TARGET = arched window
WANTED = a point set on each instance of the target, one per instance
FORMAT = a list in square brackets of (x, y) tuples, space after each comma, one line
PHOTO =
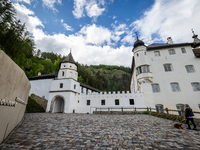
[(160, 108)]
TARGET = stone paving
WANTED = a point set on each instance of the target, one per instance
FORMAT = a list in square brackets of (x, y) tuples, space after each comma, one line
[(111, 132)]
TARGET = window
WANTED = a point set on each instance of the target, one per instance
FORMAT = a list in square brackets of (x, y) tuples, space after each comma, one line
[(86, 91), (61, 85), (167, 67), (103, 102), (145, 53), (199, 106), (142, 69), (183, 50), (78, 101), (180, 108), (195, 86), (88, 102), (156, 53), (172, 52), (63, 73), (155, 88), (160, 108), (131, 101), (189, 68), (74, 86), (137, 54), (116, 102), (81, 89), (64, 65), (175, 87)]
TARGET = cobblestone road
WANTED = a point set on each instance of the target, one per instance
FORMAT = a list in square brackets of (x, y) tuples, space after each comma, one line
[(112, 132)]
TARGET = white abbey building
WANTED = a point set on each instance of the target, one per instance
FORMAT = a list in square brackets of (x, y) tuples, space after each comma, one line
[(162, 75)]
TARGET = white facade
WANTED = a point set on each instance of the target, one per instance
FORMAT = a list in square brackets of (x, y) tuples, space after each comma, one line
[(66, 95), (167, 81), (163, 76)]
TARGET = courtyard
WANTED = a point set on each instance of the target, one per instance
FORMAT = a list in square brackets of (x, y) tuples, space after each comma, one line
[(86, 131)]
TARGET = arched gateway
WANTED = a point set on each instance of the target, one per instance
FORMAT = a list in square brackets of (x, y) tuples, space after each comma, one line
[(57, 104)]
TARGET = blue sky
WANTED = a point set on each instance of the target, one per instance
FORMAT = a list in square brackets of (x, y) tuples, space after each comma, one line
[(103, 31)]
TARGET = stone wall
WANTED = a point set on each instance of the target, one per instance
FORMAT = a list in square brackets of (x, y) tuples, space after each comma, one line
[(40, 100), (14, 90)]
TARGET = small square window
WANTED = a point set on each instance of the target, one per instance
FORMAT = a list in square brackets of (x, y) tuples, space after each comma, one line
[(156, 53), (175, 87), (131, 101), (103, 102), (88, 102), (167, 67), (183, 50), (61, 85), (189, 69), (155, 88), (195, 86), (172, 52), (116, 102)]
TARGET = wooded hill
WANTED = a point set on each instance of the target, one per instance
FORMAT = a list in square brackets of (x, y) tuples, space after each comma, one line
[(17, 43)]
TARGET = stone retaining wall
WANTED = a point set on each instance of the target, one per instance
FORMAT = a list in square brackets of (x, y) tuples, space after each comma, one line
[(40, 100)]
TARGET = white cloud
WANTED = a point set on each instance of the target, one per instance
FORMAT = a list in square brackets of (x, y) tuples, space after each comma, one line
[(50, 4), (25, 1), (67, 27), (79, 8), (27, 16), (93, 8), (173, 18), (114, 17), (91, 45)]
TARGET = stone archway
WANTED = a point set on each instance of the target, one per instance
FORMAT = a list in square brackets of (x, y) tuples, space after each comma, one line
[(57, 104)]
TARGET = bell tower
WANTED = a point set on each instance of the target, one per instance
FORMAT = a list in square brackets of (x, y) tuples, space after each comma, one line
[(68, 68)]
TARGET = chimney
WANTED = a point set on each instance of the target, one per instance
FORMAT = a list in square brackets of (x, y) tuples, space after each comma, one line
[(39, 73), (169, 40)]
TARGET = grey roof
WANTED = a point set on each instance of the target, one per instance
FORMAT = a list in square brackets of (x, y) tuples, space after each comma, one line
[(44, 76), (163, 45), (89, 87), (69, 58)]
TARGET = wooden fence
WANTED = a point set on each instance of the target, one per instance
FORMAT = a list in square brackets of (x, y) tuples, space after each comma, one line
[(135, 109)]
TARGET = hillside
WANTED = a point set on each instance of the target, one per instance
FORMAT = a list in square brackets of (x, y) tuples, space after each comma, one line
[(105, 77)]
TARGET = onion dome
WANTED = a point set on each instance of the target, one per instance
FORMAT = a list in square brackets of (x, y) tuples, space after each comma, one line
[(138, 43)]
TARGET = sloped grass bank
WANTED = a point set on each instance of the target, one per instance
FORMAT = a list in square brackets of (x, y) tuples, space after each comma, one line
[(33, 106)]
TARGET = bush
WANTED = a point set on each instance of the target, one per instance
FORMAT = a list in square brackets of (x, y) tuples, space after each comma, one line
[(33, 106), (146, 112), (169, 116)]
